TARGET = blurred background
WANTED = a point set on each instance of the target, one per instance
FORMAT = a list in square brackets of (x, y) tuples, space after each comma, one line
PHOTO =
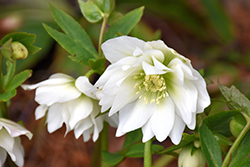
[(214, 34)]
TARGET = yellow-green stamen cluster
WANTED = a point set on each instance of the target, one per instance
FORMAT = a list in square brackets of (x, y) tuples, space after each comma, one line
[(151, 87)]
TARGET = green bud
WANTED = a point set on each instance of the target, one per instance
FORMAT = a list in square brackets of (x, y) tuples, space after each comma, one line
[(237, 124), (19, 51), (187, 159)]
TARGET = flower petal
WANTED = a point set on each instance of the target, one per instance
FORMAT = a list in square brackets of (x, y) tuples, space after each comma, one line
[(120, 47), (40, 111), (3, 156), (83, 84), (147, 132), (177, 130), (82, 126), (162, 119)]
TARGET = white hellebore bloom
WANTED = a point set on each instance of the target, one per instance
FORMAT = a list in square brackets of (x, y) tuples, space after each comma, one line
[(72, 102), (10, 141), (153, 88)]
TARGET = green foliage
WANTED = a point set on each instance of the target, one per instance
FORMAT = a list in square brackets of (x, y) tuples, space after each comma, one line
[(125, 24), (6, 96), (18, 79), (7, 50), (98, 65), (75, 40), (111, 159), (210, 147)]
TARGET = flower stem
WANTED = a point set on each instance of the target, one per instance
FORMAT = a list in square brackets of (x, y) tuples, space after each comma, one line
[(89, 73), (104, 22), (104, 140), (237, 141), (148, 154)]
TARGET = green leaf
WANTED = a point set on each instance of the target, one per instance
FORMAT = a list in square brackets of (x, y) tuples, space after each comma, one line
[(18, 80), (219, 122), (222, 139), (219, 19), (6, 96), (98, 65), (90, 11), (10, 72), (187, 139), (111, 159), (106, 6), (132, 137), (25, 38), (125, 24), (7, 50), (210, 147), (75, 40), (236, 99), (241, 152)]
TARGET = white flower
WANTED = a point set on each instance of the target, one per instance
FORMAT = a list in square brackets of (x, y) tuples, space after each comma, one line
[(71, 102), (153, 88), (10, 141), (188, 157)]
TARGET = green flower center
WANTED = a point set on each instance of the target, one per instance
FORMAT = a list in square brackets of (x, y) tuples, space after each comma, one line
[(151, 87)]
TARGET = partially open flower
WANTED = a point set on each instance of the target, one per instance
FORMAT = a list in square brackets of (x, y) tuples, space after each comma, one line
[(19, 51), (71, 102), (153, 88), (188, 159), (10, 141)]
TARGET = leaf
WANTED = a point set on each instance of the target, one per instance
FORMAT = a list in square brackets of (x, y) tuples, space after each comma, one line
[(75, 40), (106, 6), (222, 139), (25, 38), (219, 122), (236, 99), (7, 50), (6, 96), (90, 11), (18, 80), (111, 159), (131, 138), (242, 151), (219, 20), (98, 65), (10, 72), (125, 24), (185, 141), (210, 147)]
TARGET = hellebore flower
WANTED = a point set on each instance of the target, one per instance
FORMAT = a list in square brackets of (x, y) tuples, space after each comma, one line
[(10, 141), (187, 158), (72, 102), (153, 88)]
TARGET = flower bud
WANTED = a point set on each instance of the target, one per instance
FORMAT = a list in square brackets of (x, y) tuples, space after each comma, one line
[(19, 51), (187, 159)]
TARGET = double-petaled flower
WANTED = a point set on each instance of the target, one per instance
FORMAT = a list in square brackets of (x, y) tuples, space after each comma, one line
[(152, 87), (10, 141), (72, 102)]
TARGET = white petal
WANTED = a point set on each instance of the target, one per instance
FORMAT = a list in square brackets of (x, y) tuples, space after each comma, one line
[(83, 84), (193, 122), (3, 156), (98, 126), (19, 152), (14, 129), (82, 126), (139, 115), (137, 52), (163, 119), (193, 94), (79, 109), (113, 120), (7, 142), (147, 132), (55, 117), (177, 130), (86, 134), (154, 53), (117, 48), (40, 111), (152, 70), (51, 94)]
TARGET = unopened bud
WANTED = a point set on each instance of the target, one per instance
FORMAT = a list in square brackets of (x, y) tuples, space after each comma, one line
[(186, 159), (19, 51)]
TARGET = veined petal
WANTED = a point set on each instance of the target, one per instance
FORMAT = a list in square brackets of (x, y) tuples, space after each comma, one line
[(177, 130), (147, 132), (162, 119), (79, 108), (82, 83), (14, 129), (7, 142), (82, 126), (3, 156), (139, 115), (154, 53), (40, 111), (120, 47), (51, 94), (18, 151)]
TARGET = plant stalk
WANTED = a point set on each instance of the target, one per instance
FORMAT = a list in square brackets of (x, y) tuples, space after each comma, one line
[(148, 153), (102, 32)]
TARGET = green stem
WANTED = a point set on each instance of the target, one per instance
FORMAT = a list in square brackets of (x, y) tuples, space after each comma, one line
[(104, 22), (89, 73), (3, 105), (97, 153), (104, 140), (236, 142), (148, 154)]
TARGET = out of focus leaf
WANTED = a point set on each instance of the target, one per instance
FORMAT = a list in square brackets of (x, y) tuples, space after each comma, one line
[(90, 11), (111, 159), (210, 147), (18, 80), (10, 72), (98, 65), (132, 137), (6, 96), (7, 50), (125, 24)]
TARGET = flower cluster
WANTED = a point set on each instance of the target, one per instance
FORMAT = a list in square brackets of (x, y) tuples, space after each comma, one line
[(72, 102), (10, 141), (148, 85)]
